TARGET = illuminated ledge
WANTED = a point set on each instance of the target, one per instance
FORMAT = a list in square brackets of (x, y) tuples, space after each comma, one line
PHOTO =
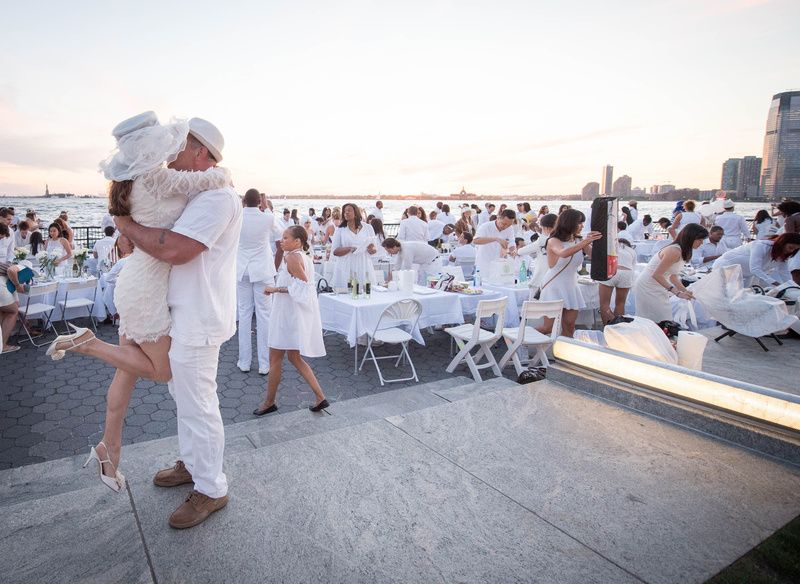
[(760, 403)]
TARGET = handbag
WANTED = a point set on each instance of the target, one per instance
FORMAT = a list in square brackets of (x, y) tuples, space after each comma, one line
[(538, 293), (323, 288)]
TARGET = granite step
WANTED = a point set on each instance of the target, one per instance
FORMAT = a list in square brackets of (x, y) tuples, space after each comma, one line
[(32, 482)]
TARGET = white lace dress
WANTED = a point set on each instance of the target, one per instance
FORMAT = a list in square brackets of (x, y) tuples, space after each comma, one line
[(652, 299), (157, 199), (295, 322)]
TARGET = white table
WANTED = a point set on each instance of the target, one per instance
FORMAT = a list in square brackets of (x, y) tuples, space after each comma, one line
[(356, 317), (98, 310), (469, 302)]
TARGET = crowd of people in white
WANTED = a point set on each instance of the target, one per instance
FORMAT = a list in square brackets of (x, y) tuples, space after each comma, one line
[(185, 257)]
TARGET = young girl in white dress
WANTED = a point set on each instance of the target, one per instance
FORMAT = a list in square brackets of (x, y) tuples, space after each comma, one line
[(295, 326), (661, 278), (155, 196), (353, 245), (565, 251), (58, 245)]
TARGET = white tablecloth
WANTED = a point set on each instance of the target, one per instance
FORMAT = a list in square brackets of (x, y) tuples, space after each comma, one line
[(98, 311), (469, 302), (516, 294), (356, 317)]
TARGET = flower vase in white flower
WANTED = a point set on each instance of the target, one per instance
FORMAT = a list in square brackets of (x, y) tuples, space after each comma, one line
[(20, 254)]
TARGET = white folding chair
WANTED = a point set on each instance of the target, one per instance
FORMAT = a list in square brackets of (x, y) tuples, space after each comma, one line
[(38, 309), (388, 330), (525, 334), (80, 302), (456, 271), (469, 336)]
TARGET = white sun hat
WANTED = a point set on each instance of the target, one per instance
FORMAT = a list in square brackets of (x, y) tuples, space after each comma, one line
[(143, 144), (208, 135), (728, 204)]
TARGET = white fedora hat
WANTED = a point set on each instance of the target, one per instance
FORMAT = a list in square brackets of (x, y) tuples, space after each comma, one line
[(208, 135)]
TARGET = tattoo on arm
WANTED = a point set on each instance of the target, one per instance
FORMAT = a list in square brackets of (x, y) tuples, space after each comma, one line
[(162, 238)]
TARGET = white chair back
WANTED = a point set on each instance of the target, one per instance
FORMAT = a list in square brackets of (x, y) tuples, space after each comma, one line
[(42, 290), (454, 271), (536, 309), (489, 309), (82, 284), (402, 312)]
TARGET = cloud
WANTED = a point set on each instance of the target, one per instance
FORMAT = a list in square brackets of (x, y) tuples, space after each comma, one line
[(40, 152)]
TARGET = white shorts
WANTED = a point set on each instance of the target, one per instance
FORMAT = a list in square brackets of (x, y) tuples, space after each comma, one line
[(6, 297), (622, 279)]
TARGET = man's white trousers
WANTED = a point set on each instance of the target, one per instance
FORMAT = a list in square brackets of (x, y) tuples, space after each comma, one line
[(250, 297), (201, 435)]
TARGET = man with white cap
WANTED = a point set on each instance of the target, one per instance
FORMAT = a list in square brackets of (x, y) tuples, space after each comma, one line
[(202, 248), (733, 224)]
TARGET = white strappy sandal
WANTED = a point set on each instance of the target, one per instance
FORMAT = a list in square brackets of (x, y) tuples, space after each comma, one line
[(58, 354), (115, 483)]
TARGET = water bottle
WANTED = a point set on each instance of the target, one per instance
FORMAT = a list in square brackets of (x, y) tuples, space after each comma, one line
[(476, 277), (523, 272)]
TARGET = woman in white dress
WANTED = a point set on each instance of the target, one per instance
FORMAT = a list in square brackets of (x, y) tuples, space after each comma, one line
[(686, 217), (763, 261), (295, 326), (565, 251), (353, 244), (661, 278), (540, 266), (763, 226), (58, 245), (155, 196)]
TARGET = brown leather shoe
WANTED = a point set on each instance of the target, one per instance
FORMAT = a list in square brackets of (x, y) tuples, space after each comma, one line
[(172, 477), (195, 510)]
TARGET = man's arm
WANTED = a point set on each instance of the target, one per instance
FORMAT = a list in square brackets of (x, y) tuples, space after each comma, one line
[(163, 244)]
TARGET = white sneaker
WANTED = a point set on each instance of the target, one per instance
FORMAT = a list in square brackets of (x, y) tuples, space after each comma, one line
[(243, 369), (263, 371)]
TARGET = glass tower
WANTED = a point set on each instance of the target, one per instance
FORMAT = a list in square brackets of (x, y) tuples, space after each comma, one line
[(780, 168)]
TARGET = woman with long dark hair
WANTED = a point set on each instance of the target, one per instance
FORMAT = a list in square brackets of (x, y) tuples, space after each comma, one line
[(661, 278), (565, 252), (790, 211), (353, 245), (762, 225), (763, 260), (295, 326), (58, 244)]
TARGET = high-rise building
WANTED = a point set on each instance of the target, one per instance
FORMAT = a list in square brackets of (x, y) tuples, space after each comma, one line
[(638, 192), (780, 169), (590, 191), (608, 177), (748, 177), (730, 173), (622, 187)]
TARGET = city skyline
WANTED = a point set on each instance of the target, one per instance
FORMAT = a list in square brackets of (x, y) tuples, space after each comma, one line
[(359, 98)]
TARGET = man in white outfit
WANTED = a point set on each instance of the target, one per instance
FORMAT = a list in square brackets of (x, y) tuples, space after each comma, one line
[(202, 248), (413, 228), (734, 225), (255, 270), (414, 255), (493, 238)]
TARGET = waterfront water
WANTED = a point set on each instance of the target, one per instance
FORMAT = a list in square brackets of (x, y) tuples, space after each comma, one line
[(90, 211)]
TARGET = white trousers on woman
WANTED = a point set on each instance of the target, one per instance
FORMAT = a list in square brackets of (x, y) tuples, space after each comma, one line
[(201, 435), (250, 297)]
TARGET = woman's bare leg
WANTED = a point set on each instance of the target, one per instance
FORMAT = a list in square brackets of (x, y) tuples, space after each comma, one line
[(568, 318), (274, 380), (8, 318), (605, 302), (619, 304), (148, 360), (299, 363)]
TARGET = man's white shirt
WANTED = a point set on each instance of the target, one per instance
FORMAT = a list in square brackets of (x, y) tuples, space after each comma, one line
[(254, 258), (413, 229), (464, 253), (415, 253), (435, 229), (202, 292), (488, 252)]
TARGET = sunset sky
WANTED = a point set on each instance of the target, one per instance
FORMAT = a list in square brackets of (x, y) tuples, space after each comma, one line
[(360, 97)]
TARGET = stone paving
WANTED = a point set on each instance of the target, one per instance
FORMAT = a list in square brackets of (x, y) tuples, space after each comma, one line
[(52, 409)]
